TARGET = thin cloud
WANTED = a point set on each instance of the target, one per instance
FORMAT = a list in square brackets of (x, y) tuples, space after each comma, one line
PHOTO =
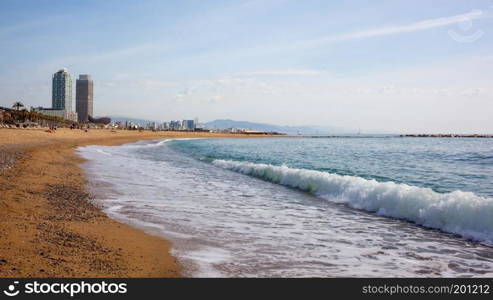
[(18, 28), (287, 72), (422, 25), (399, 29)]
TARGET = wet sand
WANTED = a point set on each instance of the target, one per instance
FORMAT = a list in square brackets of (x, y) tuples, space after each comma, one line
[(48, 225)]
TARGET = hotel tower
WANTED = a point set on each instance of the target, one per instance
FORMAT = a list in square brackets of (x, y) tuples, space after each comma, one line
[(62, 91), (84, 98)]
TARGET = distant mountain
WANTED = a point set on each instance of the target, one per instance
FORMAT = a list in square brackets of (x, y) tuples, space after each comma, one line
[(225, 124)]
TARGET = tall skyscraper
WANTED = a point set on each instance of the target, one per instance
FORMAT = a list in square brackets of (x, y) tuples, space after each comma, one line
[(84, 98), (62, 91)]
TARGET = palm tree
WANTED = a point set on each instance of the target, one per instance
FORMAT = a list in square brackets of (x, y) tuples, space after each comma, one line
[(17, 105)]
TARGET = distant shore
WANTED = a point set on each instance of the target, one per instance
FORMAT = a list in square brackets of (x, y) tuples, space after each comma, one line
[(50, 228), (450, 135)]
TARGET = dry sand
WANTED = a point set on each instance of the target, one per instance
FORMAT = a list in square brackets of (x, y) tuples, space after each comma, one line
[(49, 228)]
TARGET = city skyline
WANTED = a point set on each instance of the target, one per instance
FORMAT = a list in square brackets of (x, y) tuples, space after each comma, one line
[(421, 67)]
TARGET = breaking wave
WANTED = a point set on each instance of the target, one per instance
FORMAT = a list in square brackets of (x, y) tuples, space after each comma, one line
[(458, 212)]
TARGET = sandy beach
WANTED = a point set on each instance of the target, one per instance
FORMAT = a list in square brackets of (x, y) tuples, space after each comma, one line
[(49, 228)]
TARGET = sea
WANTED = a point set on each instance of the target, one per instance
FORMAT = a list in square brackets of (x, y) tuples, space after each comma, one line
[(383, 206)]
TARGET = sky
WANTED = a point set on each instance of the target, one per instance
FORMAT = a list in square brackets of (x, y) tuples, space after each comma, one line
[(378, 66)]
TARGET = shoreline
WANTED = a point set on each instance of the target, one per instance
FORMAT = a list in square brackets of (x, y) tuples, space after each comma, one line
[(50, 228)]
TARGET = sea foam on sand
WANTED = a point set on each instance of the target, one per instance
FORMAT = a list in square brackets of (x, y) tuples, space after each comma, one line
[(458, 212)]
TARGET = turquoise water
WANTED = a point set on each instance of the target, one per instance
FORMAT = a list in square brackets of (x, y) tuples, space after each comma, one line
[(307, 207), (442, 164)]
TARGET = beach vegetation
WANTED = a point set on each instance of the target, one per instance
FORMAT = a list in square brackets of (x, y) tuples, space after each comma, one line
[(17, 105)]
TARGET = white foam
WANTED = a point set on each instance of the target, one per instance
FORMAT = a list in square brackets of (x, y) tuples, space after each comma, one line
[(160, 143), (463, 213), (205, 259), (103, 152)]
